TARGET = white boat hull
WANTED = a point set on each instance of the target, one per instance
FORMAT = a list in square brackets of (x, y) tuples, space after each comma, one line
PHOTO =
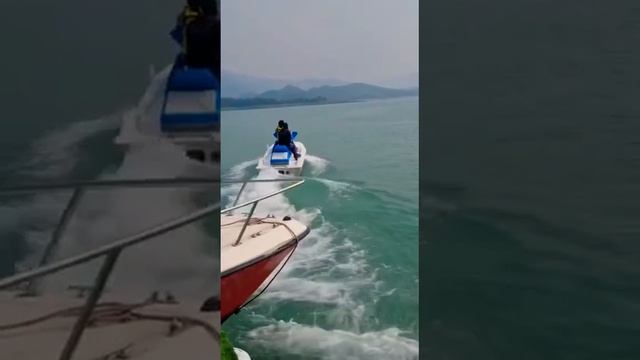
[(241, 354)]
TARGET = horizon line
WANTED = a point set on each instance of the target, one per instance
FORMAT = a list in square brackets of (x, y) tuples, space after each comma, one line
[(276, 78)]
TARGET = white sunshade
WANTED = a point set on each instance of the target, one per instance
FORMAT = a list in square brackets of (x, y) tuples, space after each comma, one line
[(190, 102), (280, 156)]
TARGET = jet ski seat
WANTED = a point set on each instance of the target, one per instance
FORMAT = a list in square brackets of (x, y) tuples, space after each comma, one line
[(280, 155), (191, 100)]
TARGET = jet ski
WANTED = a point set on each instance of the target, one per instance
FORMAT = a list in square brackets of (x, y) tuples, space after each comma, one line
[(281, 159), (181, 107), (190, 114)]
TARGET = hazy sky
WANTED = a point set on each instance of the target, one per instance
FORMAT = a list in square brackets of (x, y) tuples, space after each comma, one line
[(352, 40)]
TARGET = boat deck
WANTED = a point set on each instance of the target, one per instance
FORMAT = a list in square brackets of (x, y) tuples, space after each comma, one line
[(263, 237), (139, 331)]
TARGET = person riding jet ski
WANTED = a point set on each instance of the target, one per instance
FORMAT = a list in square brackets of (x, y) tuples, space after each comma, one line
[(198, 32), (284, 138), (278, 129)]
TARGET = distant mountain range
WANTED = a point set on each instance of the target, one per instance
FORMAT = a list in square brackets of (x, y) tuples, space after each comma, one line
[(242, 91), (293, 95), (340, 93), (236, 85)]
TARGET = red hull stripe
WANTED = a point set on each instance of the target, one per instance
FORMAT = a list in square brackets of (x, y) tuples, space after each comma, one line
[(237, 287)]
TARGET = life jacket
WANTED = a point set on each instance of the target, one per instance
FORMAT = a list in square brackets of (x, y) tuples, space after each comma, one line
[(284, 137)]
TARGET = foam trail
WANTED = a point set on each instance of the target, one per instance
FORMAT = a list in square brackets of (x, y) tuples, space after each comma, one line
[(56, 153), (337, 188), (239, 171), (318, 164), (312, 341)]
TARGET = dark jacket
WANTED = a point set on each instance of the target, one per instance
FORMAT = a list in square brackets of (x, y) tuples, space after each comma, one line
[(199, 34), (284, 137)]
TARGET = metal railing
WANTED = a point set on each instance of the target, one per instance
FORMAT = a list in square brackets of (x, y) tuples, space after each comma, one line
[(111, 252), (254, 203)]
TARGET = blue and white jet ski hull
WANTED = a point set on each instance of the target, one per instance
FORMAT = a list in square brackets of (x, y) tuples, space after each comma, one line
[(283, 162), (182, 107)]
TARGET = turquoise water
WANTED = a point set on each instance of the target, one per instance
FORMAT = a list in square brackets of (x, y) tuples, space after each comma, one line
[(351, 289)]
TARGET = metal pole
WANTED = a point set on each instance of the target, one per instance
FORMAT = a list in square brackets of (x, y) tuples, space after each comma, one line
[(244, 227), (244, 184), (85, 316), (62, 225), (55, 237)]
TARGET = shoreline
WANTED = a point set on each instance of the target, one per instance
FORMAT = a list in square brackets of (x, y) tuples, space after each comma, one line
[(237, 108)]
